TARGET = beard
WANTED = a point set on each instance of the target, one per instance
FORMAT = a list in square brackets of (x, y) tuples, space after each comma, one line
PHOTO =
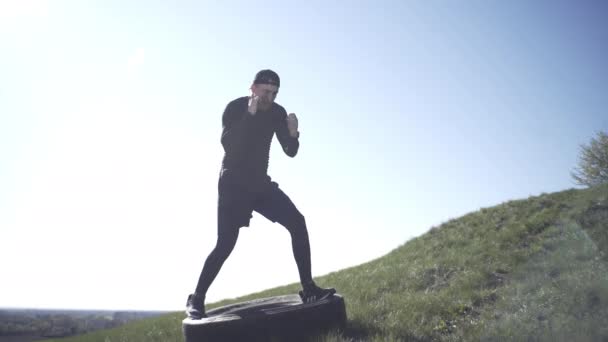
[(264, 104)]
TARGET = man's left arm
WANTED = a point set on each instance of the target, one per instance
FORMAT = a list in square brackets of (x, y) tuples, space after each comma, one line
[(288, 134)]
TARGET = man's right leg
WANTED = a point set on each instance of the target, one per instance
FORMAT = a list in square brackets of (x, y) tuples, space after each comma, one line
[(224, 246), (227, 235)]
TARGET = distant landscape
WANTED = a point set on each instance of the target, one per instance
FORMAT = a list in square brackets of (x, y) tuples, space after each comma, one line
[(25, 325)]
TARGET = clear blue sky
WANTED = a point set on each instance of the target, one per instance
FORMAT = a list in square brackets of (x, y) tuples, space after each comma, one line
[(411, 113)]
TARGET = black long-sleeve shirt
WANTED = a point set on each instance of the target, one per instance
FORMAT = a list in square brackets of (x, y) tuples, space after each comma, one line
[(246, 139)]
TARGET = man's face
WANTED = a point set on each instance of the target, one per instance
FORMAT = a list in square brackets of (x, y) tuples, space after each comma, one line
[(267, 93)]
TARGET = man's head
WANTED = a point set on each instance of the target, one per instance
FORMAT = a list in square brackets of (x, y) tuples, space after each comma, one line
[(266, 87)]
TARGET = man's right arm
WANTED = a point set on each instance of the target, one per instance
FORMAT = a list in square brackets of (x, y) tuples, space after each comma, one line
[(233, 126)]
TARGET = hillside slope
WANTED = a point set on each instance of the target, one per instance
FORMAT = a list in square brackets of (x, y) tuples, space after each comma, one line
[(529, 269)]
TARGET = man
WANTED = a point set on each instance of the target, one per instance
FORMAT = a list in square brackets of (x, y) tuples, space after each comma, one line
[(249, 124)]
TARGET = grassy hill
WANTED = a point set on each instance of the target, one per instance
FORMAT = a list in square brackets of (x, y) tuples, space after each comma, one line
[(531, 269)]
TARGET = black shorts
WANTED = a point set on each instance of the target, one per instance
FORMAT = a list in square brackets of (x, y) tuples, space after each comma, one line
[(236, 204)]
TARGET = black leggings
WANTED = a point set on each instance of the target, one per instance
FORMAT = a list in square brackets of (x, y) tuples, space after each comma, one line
[(275, 206)]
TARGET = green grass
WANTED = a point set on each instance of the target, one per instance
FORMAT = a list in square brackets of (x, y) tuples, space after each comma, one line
[(526, 270)]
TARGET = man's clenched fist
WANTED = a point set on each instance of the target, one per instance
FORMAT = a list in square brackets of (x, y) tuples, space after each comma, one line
[(292, 125)]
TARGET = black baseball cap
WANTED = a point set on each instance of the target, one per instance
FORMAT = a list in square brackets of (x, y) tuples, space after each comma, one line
[(267, 76)]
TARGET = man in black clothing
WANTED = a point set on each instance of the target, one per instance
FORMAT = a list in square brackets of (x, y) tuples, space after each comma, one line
[(249, 124)]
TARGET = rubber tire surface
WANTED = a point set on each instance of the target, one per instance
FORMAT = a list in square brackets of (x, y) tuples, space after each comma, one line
[(280, 318)]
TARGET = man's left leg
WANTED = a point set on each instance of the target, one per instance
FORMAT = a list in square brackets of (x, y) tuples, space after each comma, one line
[(276, 206)]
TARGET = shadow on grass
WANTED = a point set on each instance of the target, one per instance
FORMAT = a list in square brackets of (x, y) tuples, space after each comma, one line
[(357, 331)]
